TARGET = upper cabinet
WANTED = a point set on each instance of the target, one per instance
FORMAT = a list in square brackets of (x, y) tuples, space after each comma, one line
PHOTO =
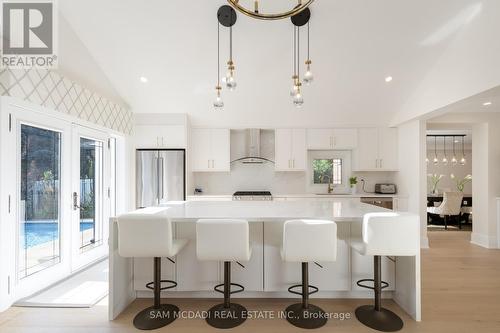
[(326, 139), (160, 136), (290, 150), (210, 150), (154, 130), (377, 150)]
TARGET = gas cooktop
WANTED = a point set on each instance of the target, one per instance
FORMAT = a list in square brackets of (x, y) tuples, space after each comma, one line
[(252, 195)]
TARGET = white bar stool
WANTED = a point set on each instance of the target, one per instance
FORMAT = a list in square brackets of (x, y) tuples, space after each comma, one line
[(385, 234), (305, 241), (150, 235), (224, 240)]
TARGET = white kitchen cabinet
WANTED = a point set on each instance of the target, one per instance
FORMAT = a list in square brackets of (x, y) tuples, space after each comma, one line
[(377, 150), (388, 148), (159, 136), (290, 150), (326, 139), (210, 150), (280, 275), (252, 275), (193, 274)]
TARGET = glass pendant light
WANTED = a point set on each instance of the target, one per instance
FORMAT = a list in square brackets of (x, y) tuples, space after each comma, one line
[(463, 161), (230, 81), (454, 160), (218, 102), (445, 159), (435, 160), (298, 99), (308, 75)]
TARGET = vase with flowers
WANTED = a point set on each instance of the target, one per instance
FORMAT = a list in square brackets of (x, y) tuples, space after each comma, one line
[(461, 182), (434, 180)]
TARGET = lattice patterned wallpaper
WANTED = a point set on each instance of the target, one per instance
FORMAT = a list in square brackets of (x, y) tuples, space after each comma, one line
[(51, 90)]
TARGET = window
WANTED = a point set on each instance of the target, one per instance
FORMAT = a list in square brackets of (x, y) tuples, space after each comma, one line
[(327, 171), (328, 167)]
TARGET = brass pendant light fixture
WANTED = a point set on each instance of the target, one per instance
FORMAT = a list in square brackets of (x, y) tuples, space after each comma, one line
[(299, 16), (256, 12)]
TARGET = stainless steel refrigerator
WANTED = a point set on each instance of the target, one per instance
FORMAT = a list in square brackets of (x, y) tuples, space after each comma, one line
[(161, 176)]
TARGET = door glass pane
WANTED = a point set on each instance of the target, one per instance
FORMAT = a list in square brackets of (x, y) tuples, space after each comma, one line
[(39, 214), (91, 188)]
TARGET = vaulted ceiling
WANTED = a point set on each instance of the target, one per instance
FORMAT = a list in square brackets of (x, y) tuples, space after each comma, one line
[(355, 44)]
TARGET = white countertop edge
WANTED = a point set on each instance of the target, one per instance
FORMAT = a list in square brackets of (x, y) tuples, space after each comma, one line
[(307, 195)]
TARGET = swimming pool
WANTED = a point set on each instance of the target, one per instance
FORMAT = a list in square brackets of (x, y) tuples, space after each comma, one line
[(36, 233)]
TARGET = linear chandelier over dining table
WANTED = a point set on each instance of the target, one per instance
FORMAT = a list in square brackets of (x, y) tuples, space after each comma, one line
[(444, 160)]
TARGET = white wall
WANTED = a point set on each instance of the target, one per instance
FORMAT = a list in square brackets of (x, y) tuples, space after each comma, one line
[(263, 177), (460, 171), (412, 171), (469, 65)]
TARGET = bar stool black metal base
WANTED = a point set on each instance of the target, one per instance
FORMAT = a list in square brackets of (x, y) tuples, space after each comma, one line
[(383, 320), (309, 318), (220, 316), (155, 317)]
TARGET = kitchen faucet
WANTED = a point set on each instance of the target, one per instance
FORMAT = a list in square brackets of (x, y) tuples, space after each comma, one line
[(330, 184)]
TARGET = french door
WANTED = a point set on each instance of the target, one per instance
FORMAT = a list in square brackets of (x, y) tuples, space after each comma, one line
[(61, 191), (90, 195)]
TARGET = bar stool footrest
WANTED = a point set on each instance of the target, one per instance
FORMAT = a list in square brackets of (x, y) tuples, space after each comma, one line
[(241, 288), (172, 284), (362, 285), (314, 289)]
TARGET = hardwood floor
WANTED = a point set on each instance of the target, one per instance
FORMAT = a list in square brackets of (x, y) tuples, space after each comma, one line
[(461, 293)]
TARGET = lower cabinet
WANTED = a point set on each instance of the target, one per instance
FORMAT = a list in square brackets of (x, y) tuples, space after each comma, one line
[(362, 266), (279, 276), (195, 275), (252, 275), (265, 271)]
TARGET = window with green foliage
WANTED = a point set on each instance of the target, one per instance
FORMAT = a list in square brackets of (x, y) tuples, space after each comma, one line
[(327, 171)]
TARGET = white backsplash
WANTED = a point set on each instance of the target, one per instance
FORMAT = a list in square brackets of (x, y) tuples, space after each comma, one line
[(262, 177)]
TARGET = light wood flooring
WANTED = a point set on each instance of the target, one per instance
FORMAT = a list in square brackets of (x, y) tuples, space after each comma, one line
[(461, 293)]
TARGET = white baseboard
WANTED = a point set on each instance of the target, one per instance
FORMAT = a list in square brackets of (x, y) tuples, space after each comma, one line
[(489, 242)]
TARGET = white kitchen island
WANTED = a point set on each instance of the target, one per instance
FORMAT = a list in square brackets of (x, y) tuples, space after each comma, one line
[(265, 275)]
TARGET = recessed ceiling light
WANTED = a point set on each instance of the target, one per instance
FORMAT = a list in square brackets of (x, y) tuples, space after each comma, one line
[(388, 79), (143, 79), (487, 103)]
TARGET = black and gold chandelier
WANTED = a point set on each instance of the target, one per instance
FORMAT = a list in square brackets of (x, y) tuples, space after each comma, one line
[(299, 16), (257, 13)]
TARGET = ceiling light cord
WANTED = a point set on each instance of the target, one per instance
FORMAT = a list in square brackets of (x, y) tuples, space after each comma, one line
[(218, 53), (298, 53), (294, 52), (308, 55), (231, 43)]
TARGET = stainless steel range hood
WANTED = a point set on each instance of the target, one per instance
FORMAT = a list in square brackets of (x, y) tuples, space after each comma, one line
[(252, 146)]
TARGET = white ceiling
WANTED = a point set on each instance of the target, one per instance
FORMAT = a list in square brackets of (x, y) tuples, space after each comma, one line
[(355, 45)]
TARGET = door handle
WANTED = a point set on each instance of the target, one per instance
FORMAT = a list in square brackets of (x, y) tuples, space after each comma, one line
[(381, 163), (293, 163), (75, 202), (208, 161)]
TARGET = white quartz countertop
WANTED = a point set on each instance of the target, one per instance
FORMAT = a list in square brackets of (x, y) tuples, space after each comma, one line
[(338, 210), (304, 195)]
